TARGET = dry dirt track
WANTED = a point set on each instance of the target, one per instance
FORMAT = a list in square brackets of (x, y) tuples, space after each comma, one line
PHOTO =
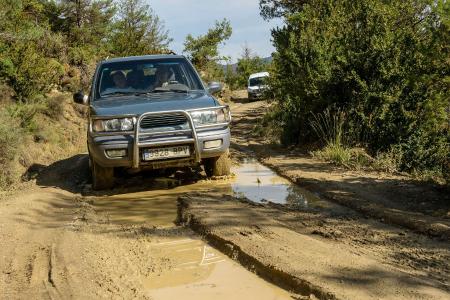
[(59, 240)]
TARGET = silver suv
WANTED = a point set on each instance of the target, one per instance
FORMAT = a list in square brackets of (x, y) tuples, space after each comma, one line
[(257, 85), (153, 112)]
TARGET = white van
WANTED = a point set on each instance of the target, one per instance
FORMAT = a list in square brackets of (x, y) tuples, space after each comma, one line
[(257, 84)]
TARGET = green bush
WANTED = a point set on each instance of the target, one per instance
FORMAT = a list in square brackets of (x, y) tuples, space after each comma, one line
[(54, 106), (33, 74), (384, 63), (23, 113), (423, 152), (10, 141), (335, 153)]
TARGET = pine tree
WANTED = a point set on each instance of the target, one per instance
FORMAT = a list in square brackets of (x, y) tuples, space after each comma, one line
[(138, 31)]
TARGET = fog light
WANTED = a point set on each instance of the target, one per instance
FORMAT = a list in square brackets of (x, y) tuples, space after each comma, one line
[(212, 144), (115, 153)]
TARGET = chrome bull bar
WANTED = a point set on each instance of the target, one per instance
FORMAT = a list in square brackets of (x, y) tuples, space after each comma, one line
[(138, 133)]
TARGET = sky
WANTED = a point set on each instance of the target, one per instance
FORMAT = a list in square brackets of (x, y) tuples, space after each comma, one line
[(182, 17)]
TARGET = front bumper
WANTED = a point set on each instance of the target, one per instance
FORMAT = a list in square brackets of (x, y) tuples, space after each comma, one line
[(255, 94), (135, 142)]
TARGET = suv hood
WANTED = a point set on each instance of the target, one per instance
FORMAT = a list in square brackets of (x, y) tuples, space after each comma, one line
[(137, 105)]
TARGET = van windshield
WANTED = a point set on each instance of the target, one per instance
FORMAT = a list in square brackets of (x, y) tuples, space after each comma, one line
[(258, 81), (146, 76)]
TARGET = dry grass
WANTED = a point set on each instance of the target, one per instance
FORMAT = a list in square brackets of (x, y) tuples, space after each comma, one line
[(56, 132)]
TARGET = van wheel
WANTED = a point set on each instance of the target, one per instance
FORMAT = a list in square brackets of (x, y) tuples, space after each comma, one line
[(218, 166), (102, 178)]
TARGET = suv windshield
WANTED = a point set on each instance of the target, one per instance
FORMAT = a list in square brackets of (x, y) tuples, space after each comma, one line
[(257, 81), (146, 76)]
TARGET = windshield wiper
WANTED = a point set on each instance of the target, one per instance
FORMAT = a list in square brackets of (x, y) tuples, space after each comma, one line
[(163, 91), (116, 94)]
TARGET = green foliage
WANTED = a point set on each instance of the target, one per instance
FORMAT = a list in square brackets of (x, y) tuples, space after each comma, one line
[(329, 127), (384, 63), (247, 64), (33, 73), (280, 8), (41, 40), (203, 51), (138, 31), (10, 140), (26, 50), (336, 154), (24, 113), (85, 22), (85, 27), (56, 44), (231, 77)]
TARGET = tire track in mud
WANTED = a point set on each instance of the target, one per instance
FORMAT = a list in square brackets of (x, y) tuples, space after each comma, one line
[(32, 272), (268, 272)]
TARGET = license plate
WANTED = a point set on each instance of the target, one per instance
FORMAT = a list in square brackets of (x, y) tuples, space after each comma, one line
[(167, 152)]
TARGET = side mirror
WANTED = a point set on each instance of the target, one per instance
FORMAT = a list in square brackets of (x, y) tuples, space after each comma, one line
[(80, 98), (214, 87)]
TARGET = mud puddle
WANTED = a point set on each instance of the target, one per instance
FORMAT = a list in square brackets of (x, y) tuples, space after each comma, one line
[(260, 184), (200, 272), (157, 206), (186, 267)]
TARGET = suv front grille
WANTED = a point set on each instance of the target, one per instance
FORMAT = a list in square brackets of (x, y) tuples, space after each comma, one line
[(168, 120)]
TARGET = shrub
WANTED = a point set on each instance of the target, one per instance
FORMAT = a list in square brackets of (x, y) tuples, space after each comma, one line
[(32, 74), (23, 113), (54, 106), (335, 153), (10, 141), (388, 161), (329, 127), (384, 63), (423, 152)]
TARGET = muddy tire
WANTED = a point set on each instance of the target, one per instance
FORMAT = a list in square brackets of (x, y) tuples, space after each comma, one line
[(218, 166), (102, 178)]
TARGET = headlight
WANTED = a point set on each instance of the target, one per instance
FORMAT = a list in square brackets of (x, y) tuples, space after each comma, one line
[(125, 124), (208, 117)]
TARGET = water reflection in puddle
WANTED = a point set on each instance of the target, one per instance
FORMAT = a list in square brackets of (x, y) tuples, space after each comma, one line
[(200, 272), (258, 183), (158, 204)]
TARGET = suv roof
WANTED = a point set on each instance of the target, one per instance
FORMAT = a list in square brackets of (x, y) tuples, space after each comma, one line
[(142, 57), (257, 75)]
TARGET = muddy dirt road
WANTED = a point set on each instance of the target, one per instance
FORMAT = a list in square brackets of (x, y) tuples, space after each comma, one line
[(57, 244), (61, 240)]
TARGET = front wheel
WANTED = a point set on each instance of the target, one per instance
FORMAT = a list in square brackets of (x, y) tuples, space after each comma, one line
[(102, 177), (218, 166)]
